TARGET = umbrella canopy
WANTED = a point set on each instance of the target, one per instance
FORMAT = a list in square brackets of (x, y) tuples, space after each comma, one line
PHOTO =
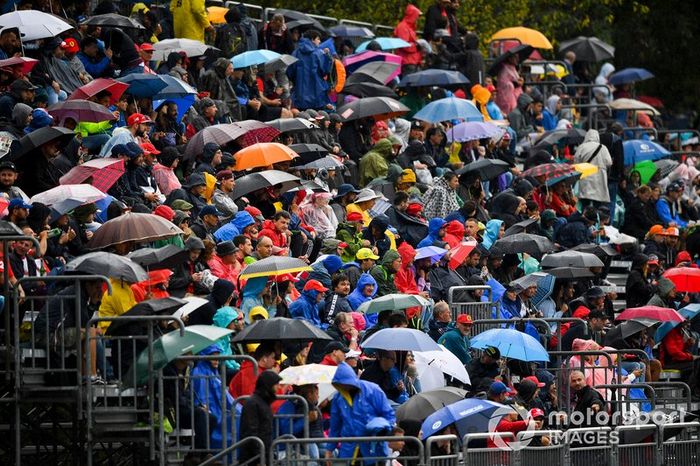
[(585, 169), (308, 374), (345, 30), (460, 253), (166, 257), (423, 404), (308, 152), (380, 108), (632, 104), (625, 330), (600, 250), (571, 176), (449, 108), (570, 273), (661, 314), (637, 150), (525, 35), (33, 24), (486, 168), (91, 89), (469, 416), (261, 180), (280, 329), (149, 307), (356, 61), (175, 89), (629, 75), (690, 312), (473, 130), (263, 155), (8, 228), (445, 361), (381, 72), (567, 137), (385, 43), (392, 301), (589, 49), (114, 20), (686, 279), (327, 163), (289, 125), (253, 57), (216, 15), (193, 303), (42, 136), (520, 227), (529, 280), (646, 169), (369, 89), (434, 252), (27, 64), (131, 226), (522, 51), (297, 18), (64, 198), (280, 63), (512, 344), (273, 266), (549, 170), (144, 85), (103, 173), (251, 132), (401, 339), (434, 77), (82, 111), (535, 245), (571, 259), (666, 166), (109, 265), (191, 48)]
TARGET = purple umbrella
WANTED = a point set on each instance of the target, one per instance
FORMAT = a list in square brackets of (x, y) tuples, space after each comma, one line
[(473, 130)]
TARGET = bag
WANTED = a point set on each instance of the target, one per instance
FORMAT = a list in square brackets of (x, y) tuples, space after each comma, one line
[(590, 159)]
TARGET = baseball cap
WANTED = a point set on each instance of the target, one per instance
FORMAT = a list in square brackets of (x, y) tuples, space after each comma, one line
[(255, 213), (534, 380), (355, 217), (224, 175), (594, 292), (146, 47), (138, 118), (22, 85), (70, 45), (535, 412), (656, 230), (7, 165), (416, 125), (210, 210), (653, 260), (465, 319), (498, 388), (366, 253), (315, 285), (18, 203), (336, 345), (353, 354), (672, 231), (149, 149), (181, 204), (493, 352)]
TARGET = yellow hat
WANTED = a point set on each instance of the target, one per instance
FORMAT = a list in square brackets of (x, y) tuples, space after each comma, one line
[(366, 253), (258, 311), (408, 176)]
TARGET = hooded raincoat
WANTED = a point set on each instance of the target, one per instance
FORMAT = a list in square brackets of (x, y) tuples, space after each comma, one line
[(406, 30), (594, 187), (493, 227), (310, 89), (434, 227), (356, 297), (307, 308), (207, 390), (223, 318), (383, 273), (440, 200), (375, 163)]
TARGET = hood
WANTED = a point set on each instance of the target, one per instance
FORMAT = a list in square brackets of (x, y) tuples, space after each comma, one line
[(412, 14), (509, 203), (455, 228), (259, 311), (173, 58), (210, 149), (394, 172), (606, 70), (221, 291), (265, 384), (580, 344), (345, 375), (522, 188), (378, 426), (491, 236), (211, 349), (305, 46), (332, 264), (481, 94), (384, 148), (20, 112), (639, 260), (224, 316), (592, 135), (435, 225), (194, 243), (379, 222), (364, 280), (414, 150), (471, 41), (242, 220), (523, 101), (390, 256), (551, 104), (254, 286), (665, 286), (220, 66), (526, 390), (407, 253)]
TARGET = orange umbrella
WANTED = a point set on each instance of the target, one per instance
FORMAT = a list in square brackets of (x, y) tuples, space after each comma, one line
[(263, 154), (216, 14), (525, 35)]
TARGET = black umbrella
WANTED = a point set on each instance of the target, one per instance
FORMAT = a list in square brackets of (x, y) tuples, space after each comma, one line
[(273, 266), (280, 63), (290, 125), (434, 77), (521, 227), (600, 250), (535, 245), (422, 405), (109, 265), (151, 307), (166, 257), (570, 273), (381, 108), (376, 71), (308, 153), (265, 179), (114, 20), (589, 49), (281, 329), (9, 229), (571, 259), (487, 168), (567, 137), (369, 89), (522, 51), (42, 136), (617, 335), (297, 18)]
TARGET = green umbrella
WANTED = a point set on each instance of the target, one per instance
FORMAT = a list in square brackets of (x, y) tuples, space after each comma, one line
[(173, 345), (392, 301), (646, 170)]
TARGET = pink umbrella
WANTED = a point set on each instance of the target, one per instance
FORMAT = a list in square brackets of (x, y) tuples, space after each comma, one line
[(353, 62), (115, 89), (104, 173), (27, 63)]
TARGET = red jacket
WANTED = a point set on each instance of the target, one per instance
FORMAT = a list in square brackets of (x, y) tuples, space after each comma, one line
[(406, 30), (328, 361), (673, 348), (278, 239), (505, 425), (454, 233)]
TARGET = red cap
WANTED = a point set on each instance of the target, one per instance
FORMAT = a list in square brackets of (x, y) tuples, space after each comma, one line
[(254, 212), (70, 45), (286, 277), (491, 88), (343, 244), (149, 149), (465, 319), (165, 212), (534, 380), (315, 285), (460, 94), (137, 118), (414, 208), (536, 412), (146, 47), (355, 217)]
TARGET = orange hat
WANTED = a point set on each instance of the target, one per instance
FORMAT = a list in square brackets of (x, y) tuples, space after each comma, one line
[(146, 47), (656, 230), (70, 45), (465, 319), (315, 285), (671, 231)]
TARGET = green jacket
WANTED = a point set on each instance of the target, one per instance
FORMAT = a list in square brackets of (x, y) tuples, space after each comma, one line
[(375, 163), (458, 344), (346, 232), (383, 276)]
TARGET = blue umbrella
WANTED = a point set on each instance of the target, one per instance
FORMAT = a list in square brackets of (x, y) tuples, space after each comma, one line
[(386, 43), (469, 416), (435, 253), (401, 339), (690, 312), (434, 77), (629, 75), (344, 30), (144, 85), (473, 130), (175, 89), (449, 108), (558, 179), (512, 344), (638, 150), (253, 57), (183, 105)]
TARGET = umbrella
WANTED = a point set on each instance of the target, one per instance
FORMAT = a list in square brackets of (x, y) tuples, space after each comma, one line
[(689, 312), (525, 36), (434, 252), (629, 75), (166, 257), (356, 61), (589, 49), (109, 265), (571, 176), (486, 168), (385, 43), (632, 104), (400, 339), (103, 173), (263, 155), (469, 416), (585, 169), (444, 360), (666, 166), (380, 108), (149, 307), (183, 104), (216, 15), (646, 169), (308, 152), (82, 111), (288, 125), (512, 344), (637, 150), (473, 130), (253, 57), (625, 330), (302, 19), (549, 170), (571, 259), (460, 253), (381, 72), (522, 51), (570, 273), (280, 329), (8, 228), (140, 228), (392, 301), (144, 85), (64, 198), (91, 89), (600, 250), (534, 245), (261, 180), (193, 303), (520, 227), (274, 266), (251, 132), (661, 314), (309, 185), (42, 136), (280, 63), (567, 137), (175, 89), (423, 404), (327, 163), (369, 89), (33, 24), (191, 48), (172, 345), (434, 77), (449, 108), (344, 30), (529, 280), (308, 374), (27, 63), (686, 279), (114, 20)]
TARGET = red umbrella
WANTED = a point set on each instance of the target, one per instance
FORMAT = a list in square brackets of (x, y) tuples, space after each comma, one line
[(80, 111), (662, 314), (91, 89), (104, 173), (686, 279), (549, 170), (27, 63), (460, 253)]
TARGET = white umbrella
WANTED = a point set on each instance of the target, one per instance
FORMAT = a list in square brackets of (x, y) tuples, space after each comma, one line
[(34, 25), (193, 48), (82, 193), (193, 302), (429, 375), (445, 361)]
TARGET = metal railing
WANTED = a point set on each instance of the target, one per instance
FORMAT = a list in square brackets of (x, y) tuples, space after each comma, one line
[(259, 16), (442, 458), (636, 445), (679, 444), (258, 459), (456, 296)]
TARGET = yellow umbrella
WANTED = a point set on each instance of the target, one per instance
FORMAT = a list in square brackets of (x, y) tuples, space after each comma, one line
[(216, 14), (524, 35), (586, 169)]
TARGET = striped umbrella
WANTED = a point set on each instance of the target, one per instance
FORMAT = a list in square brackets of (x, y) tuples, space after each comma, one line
[(273, 266), (549, 170), (103, 172)]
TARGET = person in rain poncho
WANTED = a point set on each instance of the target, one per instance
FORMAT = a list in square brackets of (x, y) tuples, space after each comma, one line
[(509, 87), (257, 417), (603, 90), (365, 290), (310, 304), (375, 163), (441, 198), (319, 215), (228, 317), (207, 389), (310, 89), (594, 188), (253, 296), (550, 115), (495, 230), (436, 232)]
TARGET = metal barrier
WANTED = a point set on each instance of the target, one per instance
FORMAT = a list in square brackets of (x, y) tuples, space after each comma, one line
[(538, 452), (640, 130), (672, 395), (636, 445), (593, 115), (383, 31), (481, 455), (441, 458), (679, 444), (563, 320), (589, 446), (280, 418), (481, 325), (456, 296), (258, 459)]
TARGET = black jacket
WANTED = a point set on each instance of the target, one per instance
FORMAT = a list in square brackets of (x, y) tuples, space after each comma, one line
[(374, 373), (575, 232), (584, 400), (638, 291), (638, 219), (256, 417)]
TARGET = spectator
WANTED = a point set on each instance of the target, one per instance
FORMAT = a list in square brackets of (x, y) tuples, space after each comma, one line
[(308, 73), (457, 339), (257, 416)]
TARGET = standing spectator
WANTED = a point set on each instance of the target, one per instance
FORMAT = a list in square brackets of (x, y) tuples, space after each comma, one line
[(275, 36), (411, 57), (308, 73), (440, 15), (509, 85), (95, 61), (190, 19), (207, 389), (257, 417), (594, 189)]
